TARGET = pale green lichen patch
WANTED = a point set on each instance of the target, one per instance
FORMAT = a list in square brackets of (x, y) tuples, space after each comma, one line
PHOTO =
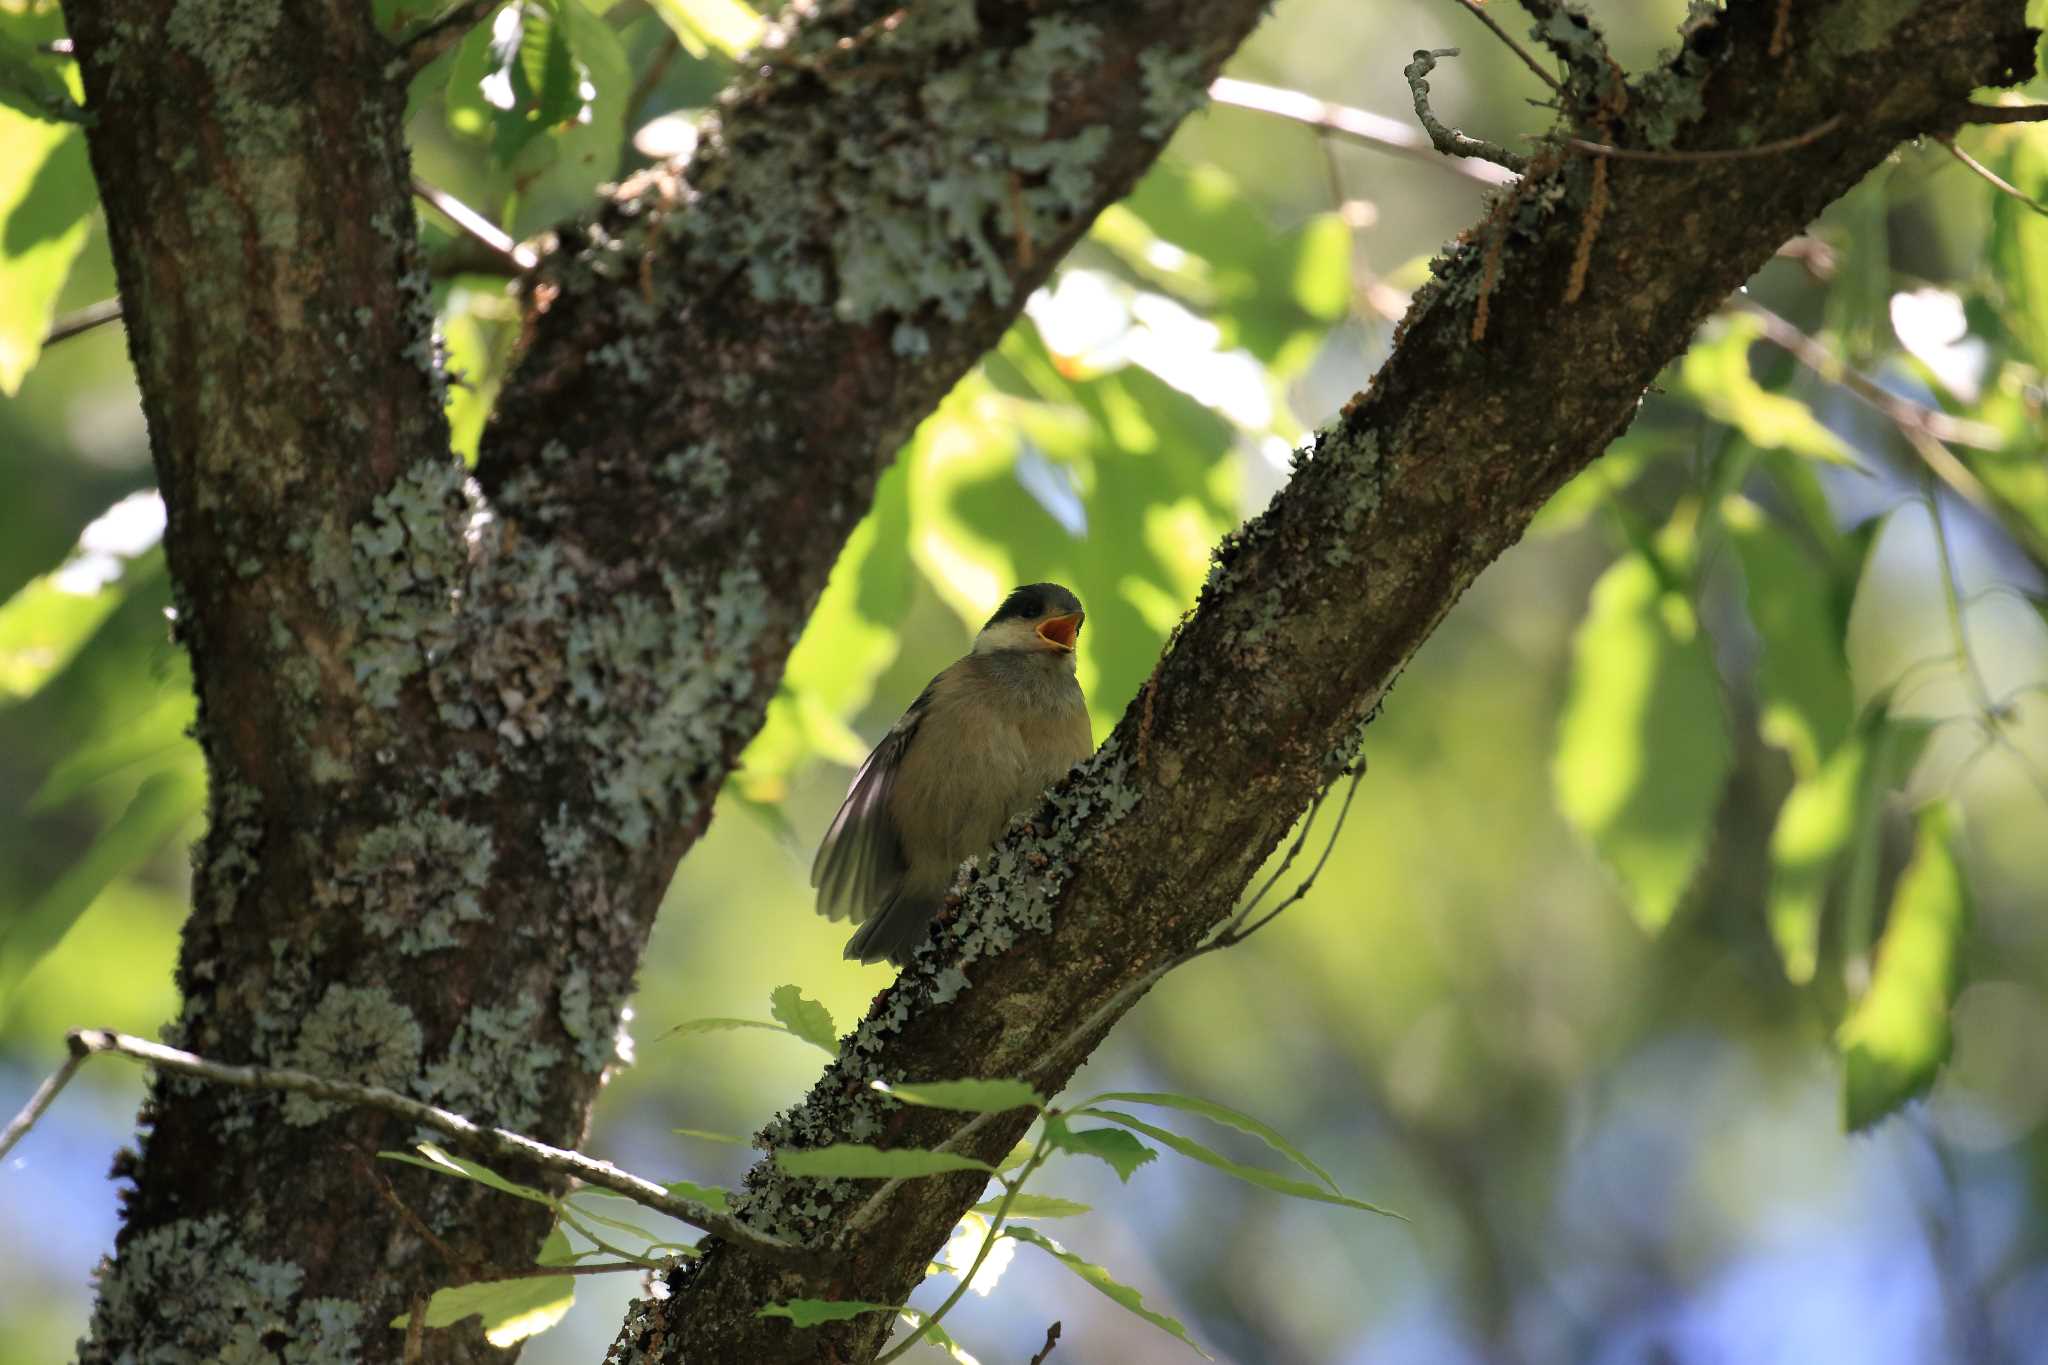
[(915, 203), (1173, 87), (191, 1291), (417, 879), (406, 564), (493, 1070), (353, 1034)]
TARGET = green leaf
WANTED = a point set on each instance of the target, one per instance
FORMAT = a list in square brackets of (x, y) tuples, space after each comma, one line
[(971, 1096), (1598, 483), (1802, 674), (703, 1194), (859, 1161), (1814, 826), (1122, 1294), (704, 1135), (1027, 1205), (812, 1312), (805, 1018), (434, 1158), (30, 84), (1643, 748), (162, 805), (721, 1025), (2019, 243), (46, 193), (1715, 372), (1255, 1175), (155, 737), (1897, 1036), (1223, 1114), (558, 172), (555, 1248), (512, 1310), (706, 26), (1123, 1152), (42, 627)]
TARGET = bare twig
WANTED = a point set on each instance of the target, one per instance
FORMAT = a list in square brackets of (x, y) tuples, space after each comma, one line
[(1052, 1339), (1354, 125), (37, 1103), (474, 225), (1783, 144), (1473, 8), (427, 42), (497, 1142), (1992, 178), (2006, 113), (84, 320), (1445, 139)]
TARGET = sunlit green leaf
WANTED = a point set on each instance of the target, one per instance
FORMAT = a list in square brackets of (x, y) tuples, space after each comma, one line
[(2019, 242), (1643, 748), (970, 1096), (1122, 1294), (1123, 1152), (559, 171), (703, 26), (42, 626), (806, 1018), (711, 1195), (1265, 1179), (512, 1310), (31, 85), (1814, 826), (1803, 674), (1028, 1205), (855, 1160), (434, 1158), (164, 804), (1598, 483), (1716, 374), (46, 193), (1897, 1036), (812, 1312), (1223, 1114)]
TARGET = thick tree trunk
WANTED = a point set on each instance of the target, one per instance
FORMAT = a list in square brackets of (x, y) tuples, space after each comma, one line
[(458, 738)]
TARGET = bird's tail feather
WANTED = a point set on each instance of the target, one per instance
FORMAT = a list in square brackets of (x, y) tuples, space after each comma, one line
[(894, 931)]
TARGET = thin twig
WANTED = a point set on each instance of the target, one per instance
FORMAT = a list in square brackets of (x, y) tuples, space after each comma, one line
[(1473, 8), (1353, 125), (427, 42), (497, 1142), (1992, 178), (2006, 113), (478, 228), (1052, 1339), (84, 320), (1446, 139), (37, 1103), (1783, 144)]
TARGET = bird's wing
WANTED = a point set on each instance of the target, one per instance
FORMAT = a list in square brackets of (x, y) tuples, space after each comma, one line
[(861, 861)]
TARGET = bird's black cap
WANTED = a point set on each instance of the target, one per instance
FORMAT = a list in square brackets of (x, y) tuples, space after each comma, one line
[(1034, 600)]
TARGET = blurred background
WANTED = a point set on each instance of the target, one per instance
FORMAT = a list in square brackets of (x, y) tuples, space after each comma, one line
[(1706, 826)]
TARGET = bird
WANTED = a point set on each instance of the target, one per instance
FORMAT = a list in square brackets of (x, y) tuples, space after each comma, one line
[(980, 743)]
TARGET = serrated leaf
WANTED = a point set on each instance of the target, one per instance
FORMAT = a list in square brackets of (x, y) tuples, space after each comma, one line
[(1225, 1115), (969, 1096), (1027, 1205), (805, 1018), (46, 195), (1256, 1175), (1121, 1294), (1814, 827), (1897, 1036), (860, 1161), (1808, 703), (1643, 748), (434, 1158), (512, 1310), (162, 805), (1123, 1152), (813, 1312)]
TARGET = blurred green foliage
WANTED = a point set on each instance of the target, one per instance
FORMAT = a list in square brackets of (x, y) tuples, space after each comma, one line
[(1713, 816)]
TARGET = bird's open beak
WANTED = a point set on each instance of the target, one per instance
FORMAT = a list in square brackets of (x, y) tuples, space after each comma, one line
[(1059, 631)]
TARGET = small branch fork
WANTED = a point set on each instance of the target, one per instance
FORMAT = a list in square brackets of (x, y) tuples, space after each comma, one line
[(1446, 139), (496, 1142)]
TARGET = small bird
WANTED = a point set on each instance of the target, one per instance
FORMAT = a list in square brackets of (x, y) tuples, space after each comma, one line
[(981, 741)]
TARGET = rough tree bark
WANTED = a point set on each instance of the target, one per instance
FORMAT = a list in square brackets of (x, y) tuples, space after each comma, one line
[(459, 736)]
